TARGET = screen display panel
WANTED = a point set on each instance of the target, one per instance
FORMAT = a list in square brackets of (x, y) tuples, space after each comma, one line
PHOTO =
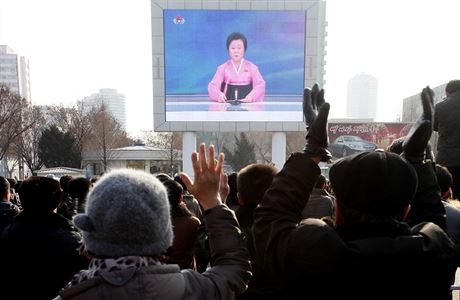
[(234, 65)]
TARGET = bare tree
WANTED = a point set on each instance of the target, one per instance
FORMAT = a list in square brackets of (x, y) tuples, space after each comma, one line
[(26, 144), (295, 141), (218, 139), (262, 145), (243, 153), (14, 120), (75, 120), (106, 134), (10, 162), (168, 143)]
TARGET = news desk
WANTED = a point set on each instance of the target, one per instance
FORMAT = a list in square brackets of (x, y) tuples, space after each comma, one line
[(200, 108)]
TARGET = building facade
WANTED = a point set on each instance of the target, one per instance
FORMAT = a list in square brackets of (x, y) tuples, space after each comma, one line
[(140, 157), (412, 105), (362, 97), (412, 109), (114, 101), (14, 72)]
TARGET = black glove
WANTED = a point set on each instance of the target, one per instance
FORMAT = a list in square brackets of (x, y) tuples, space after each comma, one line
[(427, 104), (316, 111), (416, 142)]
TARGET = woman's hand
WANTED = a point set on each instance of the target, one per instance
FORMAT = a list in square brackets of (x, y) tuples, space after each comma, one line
[(205, 186), (222, 98), (248, 99), (224, 188)]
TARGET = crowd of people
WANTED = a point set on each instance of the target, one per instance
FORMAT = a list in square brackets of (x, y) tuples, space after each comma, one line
[(381, 226)]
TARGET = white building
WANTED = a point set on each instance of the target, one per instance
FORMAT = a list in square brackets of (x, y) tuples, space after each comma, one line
[(412, 105), (413, 109), (362, 97), (114, 101), (14, 72), (140, 157)]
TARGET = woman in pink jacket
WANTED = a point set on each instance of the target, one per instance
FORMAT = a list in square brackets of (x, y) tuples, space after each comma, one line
[(237, 79)]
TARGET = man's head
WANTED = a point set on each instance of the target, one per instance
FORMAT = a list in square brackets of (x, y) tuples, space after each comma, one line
[(380, 184), (252, 182), (452, 87), (127, 213), (78, 188), (40, 194), (63, 182), (174, 190), (232, 198), (445, 181), (4, 189), (181, 182), (321, 183)]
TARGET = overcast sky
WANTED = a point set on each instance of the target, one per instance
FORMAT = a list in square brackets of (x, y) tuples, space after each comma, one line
[(77, 47)]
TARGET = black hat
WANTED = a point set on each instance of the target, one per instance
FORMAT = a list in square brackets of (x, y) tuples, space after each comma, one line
[(377, 183)]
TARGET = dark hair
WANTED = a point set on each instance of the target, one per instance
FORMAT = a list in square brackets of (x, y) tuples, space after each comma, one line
[(40, 194), (252, 182), (232, 199), (78, 188), (94, 179), (12, 182), (174, 190), (163, 177), (4, 186), (177, 208), (63, 182), (322, 180), (180, 181), (17, 186), (453, 86), (237, 36), (444, 178)]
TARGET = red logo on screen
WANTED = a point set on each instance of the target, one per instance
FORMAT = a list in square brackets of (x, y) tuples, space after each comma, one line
[(179, 20)]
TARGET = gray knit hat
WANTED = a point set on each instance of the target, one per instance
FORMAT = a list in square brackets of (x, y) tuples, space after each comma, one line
[(127, 213)]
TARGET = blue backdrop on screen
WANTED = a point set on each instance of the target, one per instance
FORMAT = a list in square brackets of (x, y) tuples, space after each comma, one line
[(195, 45)]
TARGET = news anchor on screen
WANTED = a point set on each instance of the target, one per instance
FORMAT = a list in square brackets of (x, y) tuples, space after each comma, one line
[(238, 79)]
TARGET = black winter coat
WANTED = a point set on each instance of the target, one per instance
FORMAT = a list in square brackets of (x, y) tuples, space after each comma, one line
[(311, 260), (39, 255)]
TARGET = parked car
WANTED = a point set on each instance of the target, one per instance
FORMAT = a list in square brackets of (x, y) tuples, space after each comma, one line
[(345, 145)]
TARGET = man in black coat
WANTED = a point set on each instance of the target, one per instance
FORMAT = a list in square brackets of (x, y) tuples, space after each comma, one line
[(371, 253), (39, 249), (447, 124)]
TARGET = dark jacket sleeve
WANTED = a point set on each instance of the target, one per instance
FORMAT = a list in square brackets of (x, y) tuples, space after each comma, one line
[(280, 211), (427, 204), (231, 269)]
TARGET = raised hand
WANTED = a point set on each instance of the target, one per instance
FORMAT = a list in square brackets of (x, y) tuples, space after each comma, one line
[(316, 111), (428, 104), (207, 170), (224, 188), (416, 141), (312, 101)]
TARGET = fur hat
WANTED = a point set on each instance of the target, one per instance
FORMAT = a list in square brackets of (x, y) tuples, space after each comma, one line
[(127, 213), (377, 183)]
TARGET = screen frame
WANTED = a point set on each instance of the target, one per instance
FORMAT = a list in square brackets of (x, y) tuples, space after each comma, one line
[(313, 68)]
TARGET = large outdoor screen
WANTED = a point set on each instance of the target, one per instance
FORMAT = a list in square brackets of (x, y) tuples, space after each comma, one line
[(227, 65)]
